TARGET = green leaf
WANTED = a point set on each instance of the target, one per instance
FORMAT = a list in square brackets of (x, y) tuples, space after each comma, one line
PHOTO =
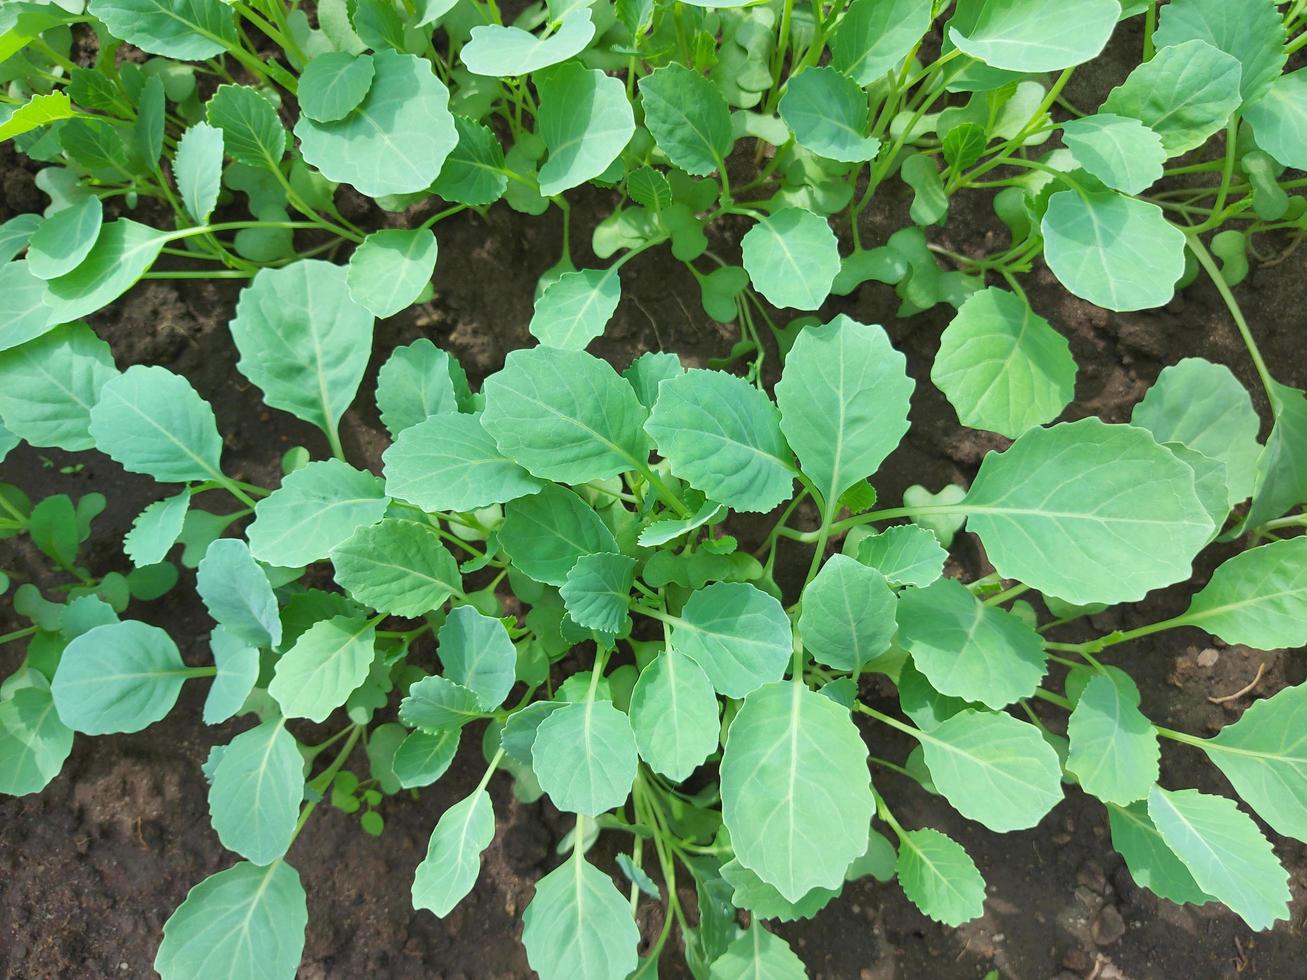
[(422, 758), (546, 533), (303, 340), (1203, 406), (939, 877), (1282, 468), (1150, 861), (1209, 482), (197, 168), (396, 141), (844, 398), (578, 925), (876, 35), (1184, 94), (397, 566), (118, 677), (122, 254), (1114, 750), (660, 532), (415, 383), (501, 52), (189, 30), (24, 313), (688, 118), (765, 902), (315, 509), (576, 308), (453, 860), (390, 269), (757, 955), (519, 734), (1123, 520), (1121, 152), (792, 257), (255, 794), (1117, 252), (565, 415), (1264, 755), (247, 922), (450, 463), (328, 661), (438, 703), (1031, 35), (585, 121), (251, 130), (722, 435), (1258, 598), (848, 616), (473, 173), (648, 188), (39, 110), (1224, 851), (1255, 37), (33, 741), (827, 113), (674, 715), (156, 529), (334, 84), (737, 633), (585, 757), (48, 385), (151, 421), (65, 238), (237, 593), (478, 655), (797, 825), (994, 769), (238, 671), (905, 554), (17, 231), (597, 592), (1279, 119)]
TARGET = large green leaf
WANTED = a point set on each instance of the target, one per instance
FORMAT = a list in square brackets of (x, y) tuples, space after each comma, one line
[(501, 52), (827, 113), (994, 769), (315, 509), (245, 923), (48, 385), (792, 257), (1150, 861), (252, 132), (578, 926), (765, 902), (722, 436), (257, 786), (334, 84), (33, 741), (415, 383), (1121, 152), (546, 533), (1002, 366), (737, 633), (576, 308), (65, 238), (1031, 35), (939, 877), (303, 340), (757, 954), (876, 35), (848, 616), (188, 30), (478, 654), (396, 141), (1114, 751), (453, 860), (391, 268), (397, 566), (197, 168), (796, 795), (674, 715), (449, 462), (328, 661), (585, 757), (597, 592), (1257, 598), (565, 415), (1224, 851), (24, 313), (237, 593), (118, 677), (122, 254), (844, 398), (1255, 37), (1184, 94), (967, 649), (1264, 755), (585, 121), (688, 118), (1088, 512), (1203, 406), (1279, 119)]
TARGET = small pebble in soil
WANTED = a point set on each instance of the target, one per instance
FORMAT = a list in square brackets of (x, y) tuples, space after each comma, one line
[(1208, 657), (1108, 926)]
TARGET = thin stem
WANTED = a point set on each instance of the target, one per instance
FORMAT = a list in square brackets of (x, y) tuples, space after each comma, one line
[(18, 634), (1209, 265)]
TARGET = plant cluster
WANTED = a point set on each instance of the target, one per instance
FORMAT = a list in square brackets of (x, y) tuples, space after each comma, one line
[(564, 534)]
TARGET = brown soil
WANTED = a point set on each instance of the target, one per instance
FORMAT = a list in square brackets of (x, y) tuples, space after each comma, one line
[(91, 868)]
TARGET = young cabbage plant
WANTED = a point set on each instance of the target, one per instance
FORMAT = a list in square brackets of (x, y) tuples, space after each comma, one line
[(544, 568)]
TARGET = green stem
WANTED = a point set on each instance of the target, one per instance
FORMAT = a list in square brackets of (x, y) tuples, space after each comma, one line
[(18, 634), (323, 780)]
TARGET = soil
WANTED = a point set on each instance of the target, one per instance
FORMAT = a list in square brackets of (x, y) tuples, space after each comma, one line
[(91, 867)]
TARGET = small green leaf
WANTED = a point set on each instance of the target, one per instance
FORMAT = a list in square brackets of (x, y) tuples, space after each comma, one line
[(848, 616), (238, 671), (478, 655), (737, 633), (254, 799), (65, 238), (33, 741), (648, 188), (122, 254), (501, 52), (39, 110), (688, 118), (156, 529), (905, 554), (576, 308), (546, 533), (585, 757), (1114, 751), (435, 704), (597, 592), (252, 133), (390, 269), (189, 30), (765, 902), (197, 168), (1150, 861), (416, 382), (453, 860), (328, 661), (1282, 467), (927, 707), (334, 84), (578, 925), (674, 715), (662, 531), (939, 877), (473, 173), (585, 121), (315, 509), (827, 113), (1258, 598), (237, 593), (118, 677), (876, 35), (1279, 119), (1121, 152), (757, 955), (397, 566), (48, 385), (792, 257), (422, 758), (1030, 35)]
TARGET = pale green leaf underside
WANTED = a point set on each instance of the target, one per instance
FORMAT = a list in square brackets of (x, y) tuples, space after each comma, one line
[(585, 757), (578, 925), (255, 796), (1114, 751), (453, 860), (939, 877)]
